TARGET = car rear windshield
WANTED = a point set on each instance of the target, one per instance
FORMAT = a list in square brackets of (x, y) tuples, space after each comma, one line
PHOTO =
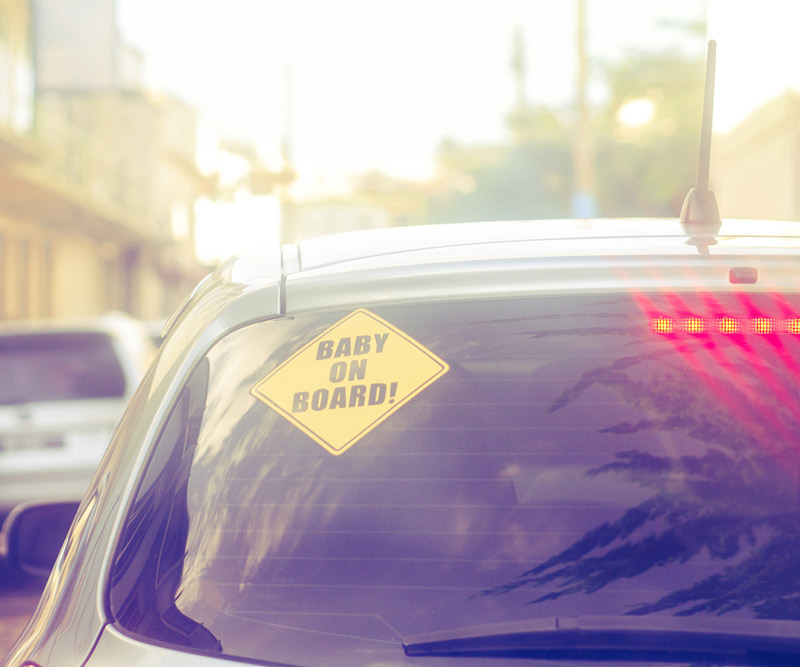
[(329, 485), (59, 367)]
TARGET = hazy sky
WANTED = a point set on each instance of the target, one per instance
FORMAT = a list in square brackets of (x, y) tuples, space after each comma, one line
[(372, 83), (372, 80), (379, 82)]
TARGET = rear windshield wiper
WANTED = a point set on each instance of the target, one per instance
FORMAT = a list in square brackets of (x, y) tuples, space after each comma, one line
[(649, 638)]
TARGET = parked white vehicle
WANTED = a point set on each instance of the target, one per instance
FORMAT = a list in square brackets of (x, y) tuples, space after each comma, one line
[(63, 387)]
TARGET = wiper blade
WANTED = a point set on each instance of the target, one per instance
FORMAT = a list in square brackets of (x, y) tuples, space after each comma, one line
[(662, 638)]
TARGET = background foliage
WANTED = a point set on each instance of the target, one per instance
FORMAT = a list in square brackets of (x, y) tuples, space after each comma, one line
[(639, 171)]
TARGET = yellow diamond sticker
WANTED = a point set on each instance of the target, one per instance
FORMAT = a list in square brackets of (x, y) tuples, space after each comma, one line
[(349, 379)]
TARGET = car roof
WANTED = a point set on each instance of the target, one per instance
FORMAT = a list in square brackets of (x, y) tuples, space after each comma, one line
[(544, 257), (480, 260), (545, 237)]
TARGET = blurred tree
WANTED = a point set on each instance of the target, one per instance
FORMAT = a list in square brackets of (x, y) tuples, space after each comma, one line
[(648, 134), (646, 141), (526, 179)]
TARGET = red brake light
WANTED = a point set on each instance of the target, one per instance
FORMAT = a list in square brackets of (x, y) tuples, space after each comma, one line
[(663, 325), (763, 325), (724, 324), (793, 326), (694, 325), (729, 325)]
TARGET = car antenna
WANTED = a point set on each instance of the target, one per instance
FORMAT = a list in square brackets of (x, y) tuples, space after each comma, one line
[(700, 213)]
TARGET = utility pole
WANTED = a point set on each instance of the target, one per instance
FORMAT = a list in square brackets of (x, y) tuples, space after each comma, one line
[(519, 118), (583, 201), (285, 225), (518, 68)]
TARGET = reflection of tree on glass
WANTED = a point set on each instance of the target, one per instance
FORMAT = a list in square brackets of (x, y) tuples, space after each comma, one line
[(723, 483)]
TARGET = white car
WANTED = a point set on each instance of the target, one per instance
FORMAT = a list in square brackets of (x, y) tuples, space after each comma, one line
[(63, 388), (555, 442)]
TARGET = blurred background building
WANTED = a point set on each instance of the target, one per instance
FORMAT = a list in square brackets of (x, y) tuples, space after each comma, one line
[(98, 177), (757, 164)]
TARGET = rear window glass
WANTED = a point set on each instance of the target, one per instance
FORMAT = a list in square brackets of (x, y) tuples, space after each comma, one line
[(578, 456), (59, 367)]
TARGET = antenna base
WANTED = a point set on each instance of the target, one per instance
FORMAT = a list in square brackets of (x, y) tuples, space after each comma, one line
[(700, 217)]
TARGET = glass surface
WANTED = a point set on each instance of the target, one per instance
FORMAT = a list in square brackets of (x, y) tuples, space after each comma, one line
[(576, 459), (59, 367)]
